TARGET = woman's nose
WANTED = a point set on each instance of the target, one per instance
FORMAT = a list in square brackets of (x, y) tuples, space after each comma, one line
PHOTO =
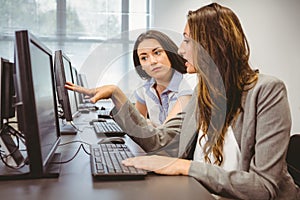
[(153, 59), (181, 50)]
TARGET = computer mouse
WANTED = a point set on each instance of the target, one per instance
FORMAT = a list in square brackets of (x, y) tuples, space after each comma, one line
[(113, 140)]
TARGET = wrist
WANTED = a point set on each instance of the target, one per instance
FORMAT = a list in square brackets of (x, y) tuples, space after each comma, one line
[(117, 96), (184, 166)]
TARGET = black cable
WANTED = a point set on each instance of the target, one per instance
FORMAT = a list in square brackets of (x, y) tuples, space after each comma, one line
[(76, 153), (19, 136), (7, 129), (10, 166)]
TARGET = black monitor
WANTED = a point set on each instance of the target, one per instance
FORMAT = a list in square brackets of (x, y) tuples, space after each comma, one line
[(82, 81), (75, 81), (66, 98), (9, 145), (7, 91), (36, 107)]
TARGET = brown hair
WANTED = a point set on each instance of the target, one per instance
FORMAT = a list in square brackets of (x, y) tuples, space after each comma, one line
[(221, 60), (171, 49)]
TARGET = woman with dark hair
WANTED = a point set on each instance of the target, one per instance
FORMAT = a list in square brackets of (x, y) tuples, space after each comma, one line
[(233, 135), (165, 91)]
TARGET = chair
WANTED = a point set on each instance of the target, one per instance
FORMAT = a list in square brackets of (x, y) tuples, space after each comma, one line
[(293, 158)]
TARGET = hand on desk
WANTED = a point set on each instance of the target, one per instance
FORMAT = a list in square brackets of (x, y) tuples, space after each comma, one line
[(160, 164)]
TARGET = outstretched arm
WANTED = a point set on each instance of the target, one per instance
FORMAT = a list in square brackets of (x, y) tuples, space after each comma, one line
[(103, 92)]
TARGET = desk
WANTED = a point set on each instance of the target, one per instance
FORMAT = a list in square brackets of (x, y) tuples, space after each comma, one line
[(75, 180)]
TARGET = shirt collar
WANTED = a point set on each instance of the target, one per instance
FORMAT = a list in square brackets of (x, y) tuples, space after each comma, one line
[(173, 85)]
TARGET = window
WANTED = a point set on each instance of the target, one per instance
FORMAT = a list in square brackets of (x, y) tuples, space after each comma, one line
[(79, 28)]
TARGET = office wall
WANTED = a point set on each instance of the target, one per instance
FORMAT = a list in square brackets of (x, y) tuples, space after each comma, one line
[(171, 15), (272, 28)]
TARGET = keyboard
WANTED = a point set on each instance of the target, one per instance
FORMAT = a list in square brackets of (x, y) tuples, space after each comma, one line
[(104, 114), (109, 128), (106, 163)]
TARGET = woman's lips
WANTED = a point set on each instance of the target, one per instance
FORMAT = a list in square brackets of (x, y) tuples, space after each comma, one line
[(156, 69)]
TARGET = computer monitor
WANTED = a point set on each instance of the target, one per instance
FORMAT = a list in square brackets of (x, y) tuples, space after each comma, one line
[(75, 81), (66, 98), (82, 81), (7, 91), (10, 151), (36, 107)]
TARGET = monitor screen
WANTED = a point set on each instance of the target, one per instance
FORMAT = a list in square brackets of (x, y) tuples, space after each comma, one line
[(36, 101), (82, 81), (69, 77), (63, 73), (7, 90), (75, 81)]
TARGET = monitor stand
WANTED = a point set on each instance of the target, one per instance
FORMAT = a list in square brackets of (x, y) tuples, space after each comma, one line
[(68, 128), (52, 171)]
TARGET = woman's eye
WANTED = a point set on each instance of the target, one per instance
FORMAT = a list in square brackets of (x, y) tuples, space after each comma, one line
[(158, 52), (143, 58), (185, 40)]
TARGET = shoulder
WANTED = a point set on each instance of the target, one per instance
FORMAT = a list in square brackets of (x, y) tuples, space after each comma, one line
[(267, 84), (267, 81), (269, 92), (140, 92)]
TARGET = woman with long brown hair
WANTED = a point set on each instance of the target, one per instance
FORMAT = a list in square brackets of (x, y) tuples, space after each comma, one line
[(233, 135)]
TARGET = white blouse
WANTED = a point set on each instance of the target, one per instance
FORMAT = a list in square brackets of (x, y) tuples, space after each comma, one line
[(231, 151)]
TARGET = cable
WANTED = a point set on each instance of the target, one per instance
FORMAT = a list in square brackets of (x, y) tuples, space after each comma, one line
[(7, 129), (72, 123), (76, 153), (3, 157), (10, 131), (75, 141)]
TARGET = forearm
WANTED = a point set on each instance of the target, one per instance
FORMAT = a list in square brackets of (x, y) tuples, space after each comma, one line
[(106, 92), (118, 97), (148, 137)]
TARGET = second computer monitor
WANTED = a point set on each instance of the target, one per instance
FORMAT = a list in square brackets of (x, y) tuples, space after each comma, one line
[(63, 73)]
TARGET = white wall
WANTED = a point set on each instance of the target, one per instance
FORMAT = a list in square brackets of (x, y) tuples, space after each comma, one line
[(171, 14), (272, 28)]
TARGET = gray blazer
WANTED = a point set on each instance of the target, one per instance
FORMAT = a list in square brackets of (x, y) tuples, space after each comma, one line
[(262, 132)]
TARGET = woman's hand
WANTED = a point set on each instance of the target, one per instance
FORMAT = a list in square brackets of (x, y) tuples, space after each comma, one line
[(103, 92), (160, 164), (79, 89)]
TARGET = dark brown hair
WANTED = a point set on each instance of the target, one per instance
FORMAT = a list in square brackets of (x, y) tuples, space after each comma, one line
[(171, 49)]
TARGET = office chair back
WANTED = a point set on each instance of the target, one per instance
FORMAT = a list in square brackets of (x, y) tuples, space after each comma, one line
[(293, 158)]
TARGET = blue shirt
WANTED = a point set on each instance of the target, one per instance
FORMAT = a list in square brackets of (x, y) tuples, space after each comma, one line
[(157, 111)]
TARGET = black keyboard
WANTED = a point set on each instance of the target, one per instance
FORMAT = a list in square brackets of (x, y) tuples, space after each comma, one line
[(106, 163), (104, 114), (109, 128)]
